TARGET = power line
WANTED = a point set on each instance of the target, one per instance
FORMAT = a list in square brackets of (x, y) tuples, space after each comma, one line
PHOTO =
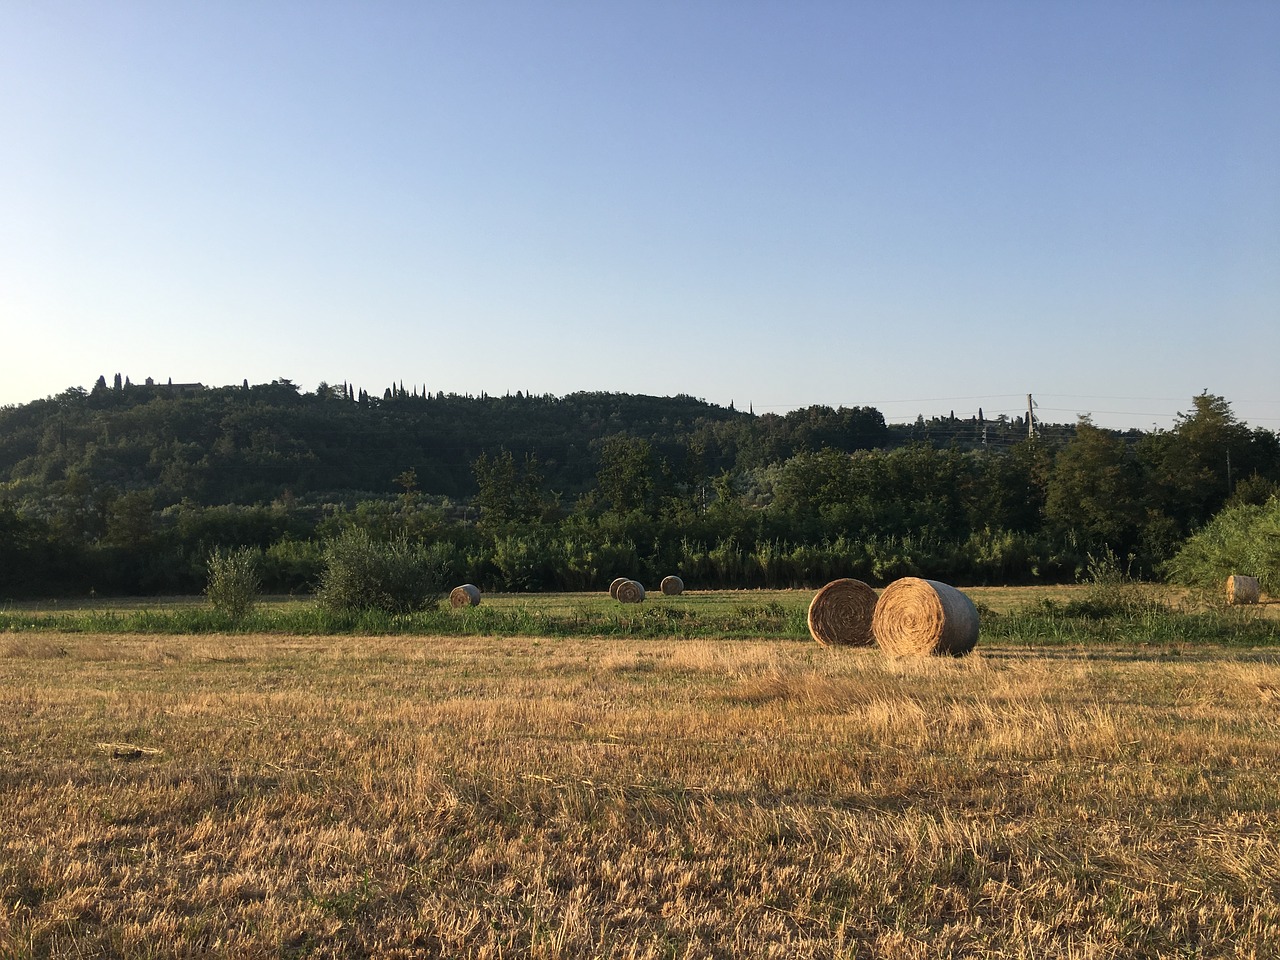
[(1081, 409), (1085, 396)]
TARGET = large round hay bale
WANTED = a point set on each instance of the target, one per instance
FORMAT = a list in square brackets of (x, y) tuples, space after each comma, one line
[(613, 587), (630, 592), (916, 617), (1243, 589), (840, 614), (672, 586), (467, 595)]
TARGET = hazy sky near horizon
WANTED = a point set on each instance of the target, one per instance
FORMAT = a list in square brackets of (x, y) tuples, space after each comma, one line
[(918, 206)]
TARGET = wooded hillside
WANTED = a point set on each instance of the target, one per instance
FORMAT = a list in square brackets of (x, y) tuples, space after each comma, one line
[(128, 487)]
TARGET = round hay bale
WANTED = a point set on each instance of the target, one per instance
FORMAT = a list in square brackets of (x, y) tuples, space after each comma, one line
[(630, 592), (1243, 589), (916, 617), (840, 614), (467, 595), (613, 587), (672, 586)]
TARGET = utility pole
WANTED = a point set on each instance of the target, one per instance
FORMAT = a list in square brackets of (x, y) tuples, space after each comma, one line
[(1031, 418)]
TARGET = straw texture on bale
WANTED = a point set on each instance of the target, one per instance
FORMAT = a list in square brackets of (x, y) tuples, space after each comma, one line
[(672, 586), (467, 595), (613, 587), (630, 592), (1243, 589), (840, 614), (916, 617)]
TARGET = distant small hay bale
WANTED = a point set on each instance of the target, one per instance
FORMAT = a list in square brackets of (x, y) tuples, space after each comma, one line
[(629, 591), (672, 586), (613, 587), (840, 614), (1243, 589), (916, 617), (467, 595)]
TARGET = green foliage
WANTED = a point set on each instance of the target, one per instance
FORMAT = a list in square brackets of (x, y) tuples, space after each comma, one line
[(29, 555), (625, 479), (362, 573), (1120, 611), (507, 493), (1242, 539), (766, 619), (585, 562), (1190, 468), (234, 585), (1095, 489), (127, 490), (450, 563), (292, 566), (256, 443), (524, 563)]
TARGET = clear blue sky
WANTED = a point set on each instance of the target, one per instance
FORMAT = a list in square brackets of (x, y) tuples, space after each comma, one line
[(920, 206)]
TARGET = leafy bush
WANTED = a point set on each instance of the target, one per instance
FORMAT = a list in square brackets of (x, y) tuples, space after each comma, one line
[(1241, 539), (233, 585), (361, 573)]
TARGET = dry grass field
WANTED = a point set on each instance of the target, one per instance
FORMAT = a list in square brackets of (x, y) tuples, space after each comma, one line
[(272, 796)]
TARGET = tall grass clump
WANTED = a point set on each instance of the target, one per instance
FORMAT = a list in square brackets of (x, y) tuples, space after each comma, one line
[(1113, 591), (1241, 539), (234, 585), (361, 573), (1118, 608)]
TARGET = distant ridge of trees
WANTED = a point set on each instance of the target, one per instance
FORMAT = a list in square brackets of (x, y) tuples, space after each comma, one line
[(249, 444)]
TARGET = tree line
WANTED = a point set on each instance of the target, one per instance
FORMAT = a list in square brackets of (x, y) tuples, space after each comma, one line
[(128, 488)]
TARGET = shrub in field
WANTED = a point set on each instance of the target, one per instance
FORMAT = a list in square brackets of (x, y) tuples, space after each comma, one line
[(1241, 539), (362, 573), (233, 585)]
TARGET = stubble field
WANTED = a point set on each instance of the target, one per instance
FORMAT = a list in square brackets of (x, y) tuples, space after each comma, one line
[(264, 795)]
